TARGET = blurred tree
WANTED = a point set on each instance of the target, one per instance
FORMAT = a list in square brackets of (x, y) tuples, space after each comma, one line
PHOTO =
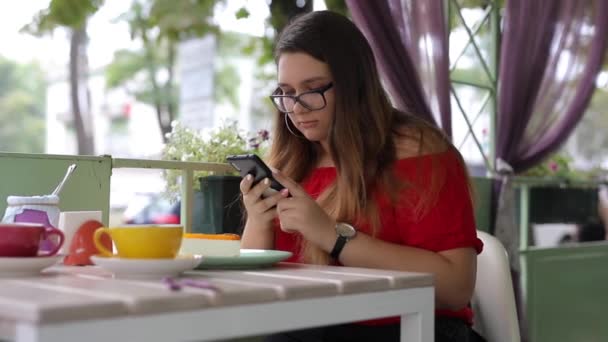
[(73, 16), (149, 73), (589, 141), (230, 45), (281, 12), (337, 6), (22, 101)]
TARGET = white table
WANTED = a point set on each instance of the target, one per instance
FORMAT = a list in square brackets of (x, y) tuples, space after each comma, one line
[(86, 303)]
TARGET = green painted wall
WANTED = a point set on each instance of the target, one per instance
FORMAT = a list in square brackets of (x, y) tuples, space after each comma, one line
[(39, 174), (566, 292), (482, 192)]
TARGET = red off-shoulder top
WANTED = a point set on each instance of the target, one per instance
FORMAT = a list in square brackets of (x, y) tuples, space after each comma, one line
[(448, 223)]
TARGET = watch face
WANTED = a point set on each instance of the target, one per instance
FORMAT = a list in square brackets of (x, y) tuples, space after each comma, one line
[(345, 230)]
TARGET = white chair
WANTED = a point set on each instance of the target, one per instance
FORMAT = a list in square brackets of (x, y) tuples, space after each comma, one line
[(493, 299)]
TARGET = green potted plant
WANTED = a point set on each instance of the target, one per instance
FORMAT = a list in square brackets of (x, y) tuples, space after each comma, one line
[(564, 194), (217, 208)]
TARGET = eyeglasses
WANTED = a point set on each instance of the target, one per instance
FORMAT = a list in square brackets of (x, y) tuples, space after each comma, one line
[(311, 100)]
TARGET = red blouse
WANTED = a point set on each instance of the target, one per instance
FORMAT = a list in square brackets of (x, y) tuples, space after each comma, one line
[(448, 224)]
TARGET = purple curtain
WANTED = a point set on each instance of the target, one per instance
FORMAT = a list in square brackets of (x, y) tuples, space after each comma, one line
[(551, 53), (410, 43)]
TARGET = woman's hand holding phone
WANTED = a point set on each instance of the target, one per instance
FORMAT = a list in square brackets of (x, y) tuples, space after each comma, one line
[(261, 210), (260, 190), (251, 164), (301, 213)]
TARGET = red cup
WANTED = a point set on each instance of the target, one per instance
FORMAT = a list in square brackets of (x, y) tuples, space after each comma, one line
[(23, 239)]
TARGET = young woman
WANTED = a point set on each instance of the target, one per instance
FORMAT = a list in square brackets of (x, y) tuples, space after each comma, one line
[(366, 185)]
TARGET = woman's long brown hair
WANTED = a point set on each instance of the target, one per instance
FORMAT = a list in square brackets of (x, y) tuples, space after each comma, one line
[(362, 134)]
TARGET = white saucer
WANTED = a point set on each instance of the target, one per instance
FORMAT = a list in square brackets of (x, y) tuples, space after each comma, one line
[(146, 268), (26, 266), (248, 258)]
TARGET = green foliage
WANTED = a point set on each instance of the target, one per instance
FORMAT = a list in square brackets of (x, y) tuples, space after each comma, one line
[(131, 69), (160, 25), (226, 81), (242, 13), (469, 68), (183, 19), (128, 65), (232, 44), (62, 13), (559, 165), (338, 6), (263, 48), (184, 144), (72, 15), (590, 138), (171, 20), (226, 76), (280, 14), (22, 102), (124, 67)]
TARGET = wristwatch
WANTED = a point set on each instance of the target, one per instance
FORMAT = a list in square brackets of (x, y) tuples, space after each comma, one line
[(345, 233)]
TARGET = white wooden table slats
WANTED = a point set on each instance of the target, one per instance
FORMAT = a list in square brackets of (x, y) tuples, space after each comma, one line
[(67, 302)]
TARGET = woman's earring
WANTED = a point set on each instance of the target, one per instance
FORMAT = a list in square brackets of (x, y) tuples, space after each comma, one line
[(289, 128)]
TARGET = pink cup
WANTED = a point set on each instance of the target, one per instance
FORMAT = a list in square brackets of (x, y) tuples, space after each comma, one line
[(23, 239)]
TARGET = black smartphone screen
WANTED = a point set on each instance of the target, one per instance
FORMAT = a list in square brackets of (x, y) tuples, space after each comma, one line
[(253, 165)]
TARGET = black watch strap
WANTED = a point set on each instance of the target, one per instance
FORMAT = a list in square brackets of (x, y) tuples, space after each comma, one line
[(340, 242)]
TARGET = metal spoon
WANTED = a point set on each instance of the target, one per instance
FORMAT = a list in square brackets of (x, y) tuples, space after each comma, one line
[(71, 169), (176, 284)]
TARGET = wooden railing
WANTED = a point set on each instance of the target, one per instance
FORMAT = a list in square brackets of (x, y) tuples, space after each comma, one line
[(89, 187), (187, 185)]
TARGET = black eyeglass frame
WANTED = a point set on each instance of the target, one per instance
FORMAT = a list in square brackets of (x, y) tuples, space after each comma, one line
[(296, 99)]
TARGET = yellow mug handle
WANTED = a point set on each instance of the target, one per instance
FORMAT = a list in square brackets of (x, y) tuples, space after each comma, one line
[(97, 241)]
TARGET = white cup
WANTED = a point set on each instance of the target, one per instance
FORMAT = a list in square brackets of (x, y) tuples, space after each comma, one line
[(70, 221)]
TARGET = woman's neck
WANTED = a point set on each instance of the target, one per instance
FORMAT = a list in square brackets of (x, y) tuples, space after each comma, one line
[(324, 157), (323, 147), (325, 161)]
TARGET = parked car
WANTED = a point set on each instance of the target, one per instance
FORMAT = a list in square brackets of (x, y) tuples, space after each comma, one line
[(152, 209)]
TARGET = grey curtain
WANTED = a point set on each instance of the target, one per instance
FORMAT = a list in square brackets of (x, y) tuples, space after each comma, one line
[(410, 43)]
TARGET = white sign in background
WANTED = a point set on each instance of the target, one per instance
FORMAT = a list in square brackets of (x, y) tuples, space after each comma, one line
[(195, 69)]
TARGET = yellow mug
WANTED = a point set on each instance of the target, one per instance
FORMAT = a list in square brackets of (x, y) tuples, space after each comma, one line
[(141, 241)]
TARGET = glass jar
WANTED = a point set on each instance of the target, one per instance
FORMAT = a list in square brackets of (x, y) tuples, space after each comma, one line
[(34, 209)]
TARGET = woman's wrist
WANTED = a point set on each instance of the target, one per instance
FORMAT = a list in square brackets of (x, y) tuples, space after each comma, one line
[(325, 238), (257, 226), (257, 236)]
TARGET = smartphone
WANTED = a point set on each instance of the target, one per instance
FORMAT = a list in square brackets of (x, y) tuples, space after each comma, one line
[(252, 164)]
